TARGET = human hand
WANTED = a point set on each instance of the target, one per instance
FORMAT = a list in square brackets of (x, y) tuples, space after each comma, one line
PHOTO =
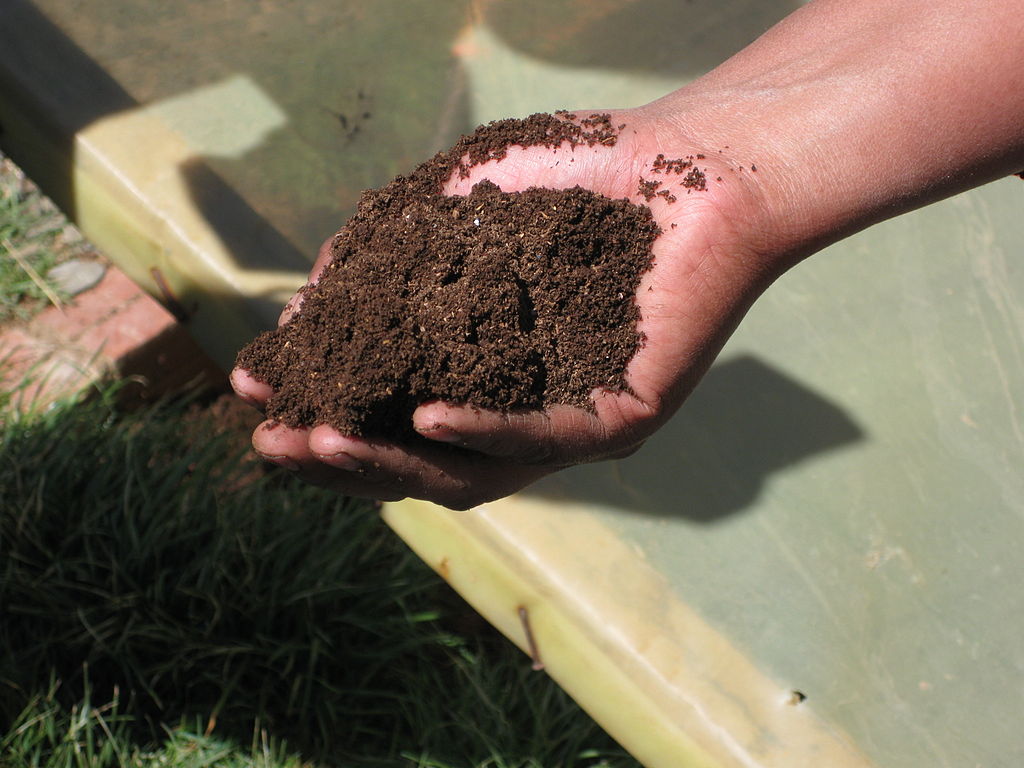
[(852, 111), (505, 451)]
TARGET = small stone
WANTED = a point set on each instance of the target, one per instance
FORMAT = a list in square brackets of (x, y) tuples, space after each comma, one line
[(76, 276)]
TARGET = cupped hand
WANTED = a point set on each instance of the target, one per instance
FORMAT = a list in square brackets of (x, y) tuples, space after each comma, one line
[(709, 265)]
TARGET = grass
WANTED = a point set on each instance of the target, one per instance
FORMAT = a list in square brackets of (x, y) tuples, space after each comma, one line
[(34, 238), (96, 737), (164, 603)]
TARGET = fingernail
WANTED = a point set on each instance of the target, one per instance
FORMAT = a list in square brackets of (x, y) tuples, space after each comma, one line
[(282, 461), (442, 433), (342, 460)]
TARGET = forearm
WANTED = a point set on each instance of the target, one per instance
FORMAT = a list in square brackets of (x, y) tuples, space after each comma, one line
[(858, 110)]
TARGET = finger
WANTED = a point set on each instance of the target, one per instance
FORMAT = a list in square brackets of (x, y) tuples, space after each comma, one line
[(288, 448), (285, 446), (323, 258), (251, 390), (560, 167), (451, 477), (527, 437), (379, 472), (559, 436)]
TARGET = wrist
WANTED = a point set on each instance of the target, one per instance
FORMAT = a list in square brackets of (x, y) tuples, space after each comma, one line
[(762, 215), (854, 112)]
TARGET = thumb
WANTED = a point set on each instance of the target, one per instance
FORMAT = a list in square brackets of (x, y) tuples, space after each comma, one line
[(557, 437), (323, 258)]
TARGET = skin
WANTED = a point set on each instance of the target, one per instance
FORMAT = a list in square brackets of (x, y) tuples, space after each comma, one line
[(852, 112)]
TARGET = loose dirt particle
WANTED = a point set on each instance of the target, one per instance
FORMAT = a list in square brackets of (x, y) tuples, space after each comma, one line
[(661, 163), (647, 189), (696, 179)]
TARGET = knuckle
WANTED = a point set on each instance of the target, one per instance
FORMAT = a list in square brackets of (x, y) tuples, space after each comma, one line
[(625, 428), (457, 505), (537, 453), (536, 444), (488, 443), (516, 441), (461, 500), (461, 495)]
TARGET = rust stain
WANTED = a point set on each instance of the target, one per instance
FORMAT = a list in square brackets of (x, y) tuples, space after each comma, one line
[(531, 643), (175, 307)]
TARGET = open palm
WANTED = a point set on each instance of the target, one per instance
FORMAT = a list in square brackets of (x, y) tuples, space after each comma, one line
[(705, 275)]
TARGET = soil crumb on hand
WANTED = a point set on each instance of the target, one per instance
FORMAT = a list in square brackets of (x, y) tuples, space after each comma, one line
[(498, 300)]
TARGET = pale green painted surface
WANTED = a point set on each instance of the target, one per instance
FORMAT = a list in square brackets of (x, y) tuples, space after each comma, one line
[(843, 498), (384, 65)]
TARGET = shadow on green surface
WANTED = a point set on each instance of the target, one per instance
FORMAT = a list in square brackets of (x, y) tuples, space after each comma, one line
[(745, 422), (78, 92), (366, 92), (684, 38)]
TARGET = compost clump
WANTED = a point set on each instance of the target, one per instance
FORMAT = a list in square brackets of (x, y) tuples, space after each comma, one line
[(499, 300)]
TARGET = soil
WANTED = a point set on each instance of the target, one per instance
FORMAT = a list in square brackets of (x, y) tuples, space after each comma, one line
[(498, 300)]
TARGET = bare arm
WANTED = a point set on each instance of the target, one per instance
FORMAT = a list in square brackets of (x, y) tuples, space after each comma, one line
[(852, 111), (862, 110)]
